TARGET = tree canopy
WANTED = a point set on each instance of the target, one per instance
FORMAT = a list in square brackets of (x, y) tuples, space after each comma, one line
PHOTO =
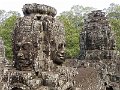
[(6, 27)]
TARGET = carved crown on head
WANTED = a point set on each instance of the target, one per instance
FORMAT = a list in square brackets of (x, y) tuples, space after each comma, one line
[(39, 8)]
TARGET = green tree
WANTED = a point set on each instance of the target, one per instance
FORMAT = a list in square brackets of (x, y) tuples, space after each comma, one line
[(5, 32), (115, 23), (113, 13), (73, 23), (72, 37)]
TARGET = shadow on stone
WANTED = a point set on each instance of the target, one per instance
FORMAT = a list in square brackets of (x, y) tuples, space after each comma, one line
[(15, 88), (109, 88)]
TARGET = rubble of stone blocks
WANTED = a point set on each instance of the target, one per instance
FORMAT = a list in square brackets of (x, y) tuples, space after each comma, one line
[(98, 49), (28, 80), (38, 53)]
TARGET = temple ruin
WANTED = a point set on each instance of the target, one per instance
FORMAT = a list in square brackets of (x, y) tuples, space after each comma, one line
[(38, 44), (38, 53)]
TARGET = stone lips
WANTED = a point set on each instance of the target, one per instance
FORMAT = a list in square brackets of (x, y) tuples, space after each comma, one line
[(39, 8)]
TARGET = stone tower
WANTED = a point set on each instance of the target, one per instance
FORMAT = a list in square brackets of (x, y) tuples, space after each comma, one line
[(98, 49), (97, 35), (38, 52)]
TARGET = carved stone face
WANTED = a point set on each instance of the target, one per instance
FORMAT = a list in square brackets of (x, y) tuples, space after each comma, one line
[(58, 43), (25, 53), (59, 54)]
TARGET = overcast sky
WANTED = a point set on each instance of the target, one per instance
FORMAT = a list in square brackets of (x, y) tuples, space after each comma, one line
[(60, 5)]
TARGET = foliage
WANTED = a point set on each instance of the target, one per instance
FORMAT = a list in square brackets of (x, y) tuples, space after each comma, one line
[(5, 32), (116, 28), (5, 15), (113, 13), (72, 37), (73, 22)]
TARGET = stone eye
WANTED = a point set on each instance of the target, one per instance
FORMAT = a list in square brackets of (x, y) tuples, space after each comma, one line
[(60, 46), (25, 46), (17, 47)]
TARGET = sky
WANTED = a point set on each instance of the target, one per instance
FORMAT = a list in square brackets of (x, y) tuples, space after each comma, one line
[(60, 5)]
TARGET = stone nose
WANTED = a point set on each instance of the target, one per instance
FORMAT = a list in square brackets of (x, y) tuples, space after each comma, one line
[(20, 54), (62, 52)]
